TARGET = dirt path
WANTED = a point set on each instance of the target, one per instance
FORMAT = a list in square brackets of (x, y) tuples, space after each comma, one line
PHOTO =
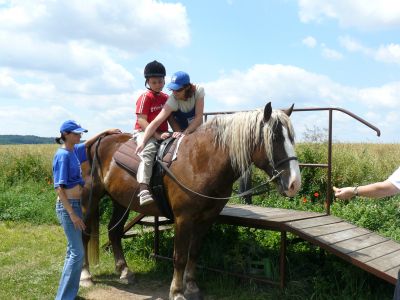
[(137, 291)]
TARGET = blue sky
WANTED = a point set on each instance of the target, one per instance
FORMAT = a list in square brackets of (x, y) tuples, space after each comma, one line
[(84, 60)]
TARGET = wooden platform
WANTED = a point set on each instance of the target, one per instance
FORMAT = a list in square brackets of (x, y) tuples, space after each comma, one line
[(359, 246)]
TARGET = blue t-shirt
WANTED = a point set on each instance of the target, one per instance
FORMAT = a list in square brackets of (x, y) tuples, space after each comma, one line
[(67, 171)]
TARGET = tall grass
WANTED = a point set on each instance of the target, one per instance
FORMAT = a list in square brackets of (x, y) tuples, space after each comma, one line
[(27, 197)]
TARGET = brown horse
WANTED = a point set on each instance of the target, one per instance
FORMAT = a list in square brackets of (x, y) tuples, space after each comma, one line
[(208, 161)]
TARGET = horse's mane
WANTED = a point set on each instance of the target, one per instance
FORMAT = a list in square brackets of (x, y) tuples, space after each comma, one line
[(242, 132)]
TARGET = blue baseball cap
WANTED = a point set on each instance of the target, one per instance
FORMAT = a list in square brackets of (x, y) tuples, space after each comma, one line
[(178, 80), (71, 126)]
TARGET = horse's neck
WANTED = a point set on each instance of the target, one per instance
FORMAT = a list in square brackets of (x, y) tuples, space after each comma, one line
[(205, 154)]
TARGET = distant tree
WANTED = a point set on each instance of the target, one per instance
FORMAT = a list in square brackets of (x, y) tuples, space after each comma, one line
[(24, 139)]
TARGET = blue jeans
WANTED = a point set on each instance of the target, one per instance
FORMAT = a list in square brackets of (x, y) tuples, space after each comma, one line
[(71, 274)]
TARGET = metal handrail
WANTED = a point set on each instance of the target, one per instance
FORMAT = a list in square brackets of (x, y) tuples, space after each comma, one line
[(330, 121)]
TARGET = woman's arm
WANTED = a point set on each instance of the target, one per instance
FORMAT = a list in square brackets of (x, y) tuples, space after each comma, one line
[(373, 190), (198, 118), (152, 127)]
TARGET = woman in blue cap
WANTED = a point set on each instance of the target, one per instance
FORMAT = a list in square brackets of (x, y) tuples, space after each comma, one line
[(184, 108), (68, 182)]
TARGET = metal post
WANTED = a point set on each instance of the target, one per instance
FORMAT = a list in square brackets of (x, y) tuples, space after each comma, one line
[(156, 237), (282, 263), (329, 181)]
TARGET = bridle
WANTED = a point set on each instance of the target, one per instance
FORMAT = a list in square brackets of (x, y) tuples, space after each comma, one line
[(279, 163)]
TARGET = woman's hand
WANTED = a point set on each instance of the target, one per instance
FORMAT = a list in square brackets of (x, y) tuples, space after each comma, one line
[(78, 223), (177, 134), (139, 148), (344, 193), (113, 131)]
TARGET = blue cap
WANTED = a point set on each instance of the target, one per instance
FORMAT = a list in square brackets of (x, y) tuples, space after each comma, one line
[(178, 80), (71, 126)]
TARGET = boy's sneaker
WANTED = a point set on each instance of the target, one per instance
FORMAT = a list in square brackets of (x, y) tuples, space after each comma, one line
[(145, 197)]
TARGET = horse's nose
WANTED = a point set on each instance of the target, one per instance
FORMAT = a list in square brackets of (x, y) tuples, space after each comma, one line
[(293, 187)]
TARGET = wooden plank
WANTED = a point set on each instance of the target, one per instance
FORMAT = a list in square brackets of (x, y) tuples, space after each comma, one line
[(359, 242), (393, 272), (386, 262), (344, 235), (302, 215), (327, 229), (375, 251), (313, 222)]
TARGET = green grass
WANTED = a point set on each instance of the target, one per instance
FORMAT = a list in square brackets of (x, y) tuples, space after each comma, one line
[(32, 245)]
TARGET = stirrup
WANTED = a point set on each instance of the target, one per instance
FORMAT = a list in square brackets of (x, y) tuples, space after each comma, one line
[(145, 197)]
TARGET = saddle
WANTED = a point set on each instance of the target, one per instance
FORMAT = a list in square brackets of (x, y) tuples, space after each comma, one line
[(126, 158)]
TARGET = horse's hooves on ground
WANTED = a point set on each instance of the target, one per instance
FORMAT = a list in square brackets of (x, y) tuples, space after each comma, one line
[(194, 296), (86, 283), (127, 277), (177, 297)]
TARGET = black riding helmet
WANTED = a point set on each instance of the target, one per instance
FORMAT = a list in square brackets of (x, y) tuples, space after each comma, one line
[(154, 69)]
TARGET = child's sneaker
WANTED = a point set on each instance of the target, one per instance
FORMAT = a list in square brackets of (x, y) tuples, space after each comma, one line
[(145, 197)]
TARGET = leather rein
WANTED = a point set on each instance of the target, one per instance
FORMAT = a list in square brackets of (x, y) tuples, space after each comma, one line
[(275, 174)]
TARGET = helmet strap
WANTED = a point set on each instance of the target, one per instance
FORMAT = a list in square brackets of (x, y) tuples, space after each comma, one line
[(149, 88)]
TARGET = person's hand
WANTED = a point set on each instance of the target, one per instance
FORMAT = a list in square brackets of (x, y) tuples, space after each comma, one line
[(165, 135), (114, 131), (78, 222), (344, 193), (139, 148), (177, 134)]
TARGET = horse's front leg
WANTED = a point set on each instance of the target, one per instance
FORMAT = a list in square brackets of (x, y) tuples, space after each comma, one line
[(116, 231), (192, 291), (183, 230)]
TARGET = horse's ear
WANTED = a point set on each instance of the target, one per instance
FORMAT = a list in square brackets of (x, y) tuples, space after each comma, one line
[(289, 111), (267, 112)]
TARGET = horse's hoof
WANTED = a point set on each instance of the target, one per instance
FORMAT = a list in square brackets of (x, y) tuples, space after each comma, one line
[(127, 277), (192, 291), (88, 282), (177, 297), (194, 296)]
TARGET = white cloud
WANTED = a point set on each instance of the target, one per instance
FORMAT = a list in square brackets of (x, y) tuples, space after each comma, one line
[(131, 26), (384, 53), (309, 41), (283, 85), (361, 14), (331, 53), (59, 57)]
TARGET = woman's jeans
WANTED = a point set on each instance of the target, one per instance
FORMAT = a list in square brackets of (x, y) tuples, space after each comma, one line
[(71, 274)]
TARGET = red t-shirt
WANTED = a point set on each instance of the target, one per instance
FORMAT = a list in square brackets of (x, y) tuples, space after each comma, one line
[(150, 104)]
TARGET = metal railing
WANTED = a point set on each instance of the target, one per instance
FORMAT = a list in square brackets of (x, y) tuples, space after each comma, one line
[(328, 165)]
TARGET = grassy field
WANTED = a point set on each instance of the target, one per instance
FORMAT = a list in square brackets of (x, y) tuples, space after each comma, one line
[(32, 244)]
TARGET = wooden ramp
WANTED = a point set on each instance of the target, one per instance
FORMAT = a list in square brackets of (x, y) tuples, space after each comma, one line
[(359, 246)]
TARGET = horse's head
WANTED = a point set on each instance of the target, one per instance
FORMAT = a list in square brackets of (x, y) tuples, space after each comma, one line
[(277, 154)]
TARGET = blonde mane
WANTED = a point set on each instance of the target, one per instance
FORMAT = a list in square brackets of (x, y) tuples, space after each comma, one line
[(242, 132)]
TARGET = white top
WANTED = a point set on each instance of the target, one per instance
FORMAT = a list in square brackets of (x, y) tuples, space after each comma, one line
[(395, 178), (185, 105)]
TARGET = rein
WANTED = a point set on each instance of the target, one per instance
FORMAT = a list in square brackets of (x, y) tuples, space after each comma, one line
[(245, 193)]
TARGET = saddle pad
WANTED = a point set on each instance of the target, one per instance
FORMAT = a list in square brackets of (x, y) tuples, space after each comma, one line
[(125, 156)]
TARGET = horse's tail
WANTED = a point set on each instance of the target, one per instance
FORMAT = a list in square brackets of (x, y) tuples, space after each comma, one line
[(92, 213)]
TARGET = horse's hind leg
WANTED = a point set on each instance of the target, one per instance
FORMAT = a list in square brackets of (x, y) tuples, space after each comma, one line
[(183, 229), (116, 231)]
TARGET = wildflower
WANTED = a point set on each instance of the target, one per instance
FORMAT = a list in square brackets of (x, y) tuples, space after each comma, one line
[(304, 200), (316, 194)]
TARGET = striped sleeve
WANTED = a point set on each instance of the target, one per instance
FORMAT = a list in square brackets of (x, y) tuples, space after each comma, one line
[(143, 105)]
